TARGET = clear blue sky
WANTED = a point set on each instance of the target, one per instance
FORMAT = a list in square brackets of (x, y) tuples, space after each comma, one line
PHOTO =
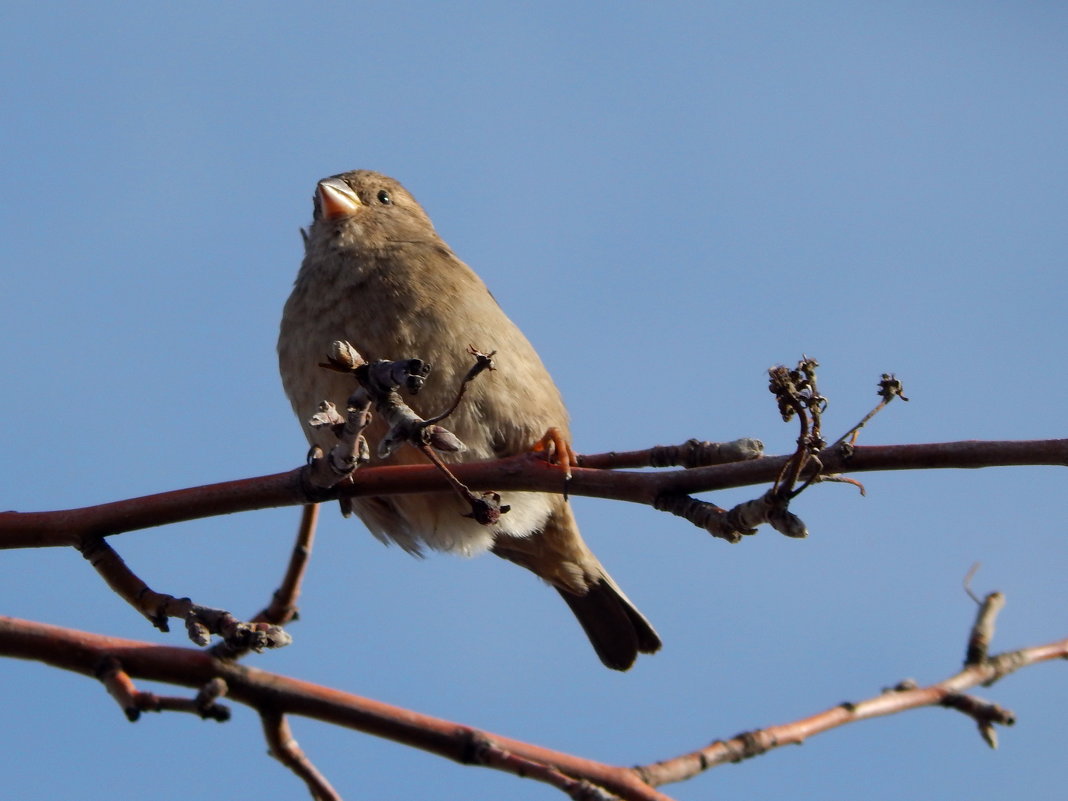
[(668, 198)]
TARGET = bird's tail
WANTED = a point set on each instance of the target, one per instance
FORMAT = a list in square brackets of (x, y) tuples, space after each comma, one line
[(617, 630)]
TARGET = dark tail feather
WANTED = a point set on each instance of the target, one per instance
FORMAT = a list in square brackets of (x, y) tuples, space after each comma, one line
[(617, 631)]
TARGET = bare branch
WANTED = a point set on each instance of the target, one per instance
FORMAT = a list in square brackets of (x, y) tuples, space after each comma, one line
[(283, 606), (492, 755), (283, 747), (133, 701), (984, 713), (201, 621), (273, 695), (889, 388), (692, 453), (904, 696), (71, 527), (983, 629)]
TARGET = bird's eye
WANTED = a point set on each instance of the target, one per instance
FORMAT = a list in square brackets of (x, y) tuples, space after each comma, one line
[(384, 198)]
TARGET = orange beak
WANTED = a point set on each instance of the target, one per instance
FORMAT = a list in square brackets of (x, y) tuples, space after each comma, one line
[(336, 199)]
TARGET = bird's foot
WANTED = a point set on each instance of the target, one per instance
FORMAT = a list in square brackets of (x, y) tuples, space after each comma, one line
[(556, 450)]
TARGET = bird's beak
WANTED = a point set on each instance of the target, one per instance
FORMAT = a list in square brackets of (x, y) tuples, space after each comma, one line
[(336, 199)]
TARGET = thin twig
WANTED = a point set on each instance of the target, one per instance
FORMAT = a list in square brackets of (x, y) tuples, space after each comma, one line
[(483, 362), (283, 747), (889, 388), (486, 507), (903, 696), (201, 621), (983, 629), (283, 606), (133, 701)]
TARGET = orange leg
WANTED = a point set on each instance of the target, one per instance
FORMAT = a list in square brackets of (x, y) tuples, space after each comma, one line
[(557, 449)]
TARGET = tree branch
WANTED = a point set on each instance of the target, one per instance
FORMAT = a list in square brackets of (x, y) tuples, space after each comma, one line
[(980, 670), (272, 695), (117, 661), (72, 527)]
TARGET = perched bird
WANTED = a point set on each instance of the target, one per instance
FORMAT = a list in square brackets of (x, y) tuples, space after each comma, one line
[(376, 273)]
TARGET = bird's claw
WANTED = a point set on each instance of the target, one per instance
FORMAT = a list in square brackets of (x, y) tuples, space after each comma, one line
[(556, 449)]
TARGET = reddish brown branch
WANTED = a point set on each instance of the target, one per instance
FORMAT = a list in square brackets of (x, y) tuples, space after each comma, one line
[(690, 454), (284, 748), (899, 699), (492, 755), (524, 472), (270, 693), (200, 621), (277, 695), (283, 606), (133, 701), (905, 695)]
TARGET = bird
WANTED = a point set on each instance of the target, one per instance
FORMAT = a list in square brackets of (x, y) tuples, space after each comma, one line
[(376, 274)]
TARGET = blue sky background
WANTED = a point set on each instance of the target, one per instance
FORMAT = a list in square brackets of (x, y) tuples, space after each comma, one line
[(668, 198)]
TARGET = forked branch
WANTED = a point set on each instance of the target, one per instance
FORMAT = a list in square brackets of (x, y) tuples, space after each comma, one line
[(275, 696)]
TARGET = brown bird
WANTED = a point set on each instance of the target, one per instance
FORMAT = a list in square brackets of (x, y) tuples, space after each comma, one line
[(376, 274)]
